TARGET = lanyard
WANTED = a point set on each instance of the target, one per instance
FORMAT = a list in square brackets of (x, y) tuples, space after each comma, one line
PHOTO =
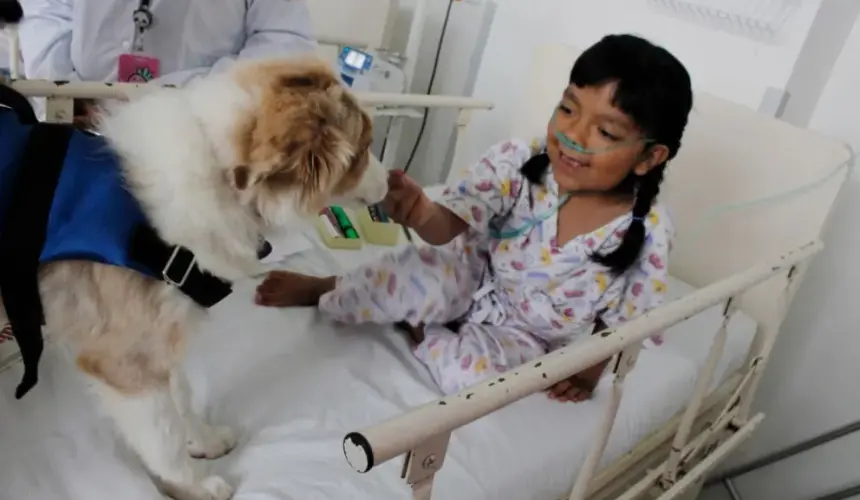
[(143, 20)]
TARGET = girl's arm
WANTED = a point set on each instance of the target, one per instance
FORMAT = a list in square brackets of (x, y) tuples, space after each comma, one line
[(581, 386), (442, 226)]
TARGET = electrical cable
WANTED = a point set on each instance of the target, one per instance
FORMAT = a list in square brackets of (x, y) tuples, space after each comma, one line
[(430, 85)]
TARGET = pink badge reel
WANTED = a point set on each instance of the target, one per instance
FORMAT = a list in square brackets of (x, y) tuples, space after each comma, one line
[(137, 68)]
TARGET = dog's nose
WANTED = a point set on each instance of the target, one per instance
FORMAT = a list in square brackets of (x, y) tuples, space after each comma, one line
[(264, 250)]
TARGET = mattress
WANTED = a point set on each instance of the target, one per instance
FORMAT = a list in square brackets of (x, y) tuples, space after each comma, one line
[(294, 384)]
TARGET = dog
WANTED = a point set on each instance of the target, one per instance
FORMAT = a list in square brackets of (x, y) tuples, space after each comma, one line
[(203, 171)]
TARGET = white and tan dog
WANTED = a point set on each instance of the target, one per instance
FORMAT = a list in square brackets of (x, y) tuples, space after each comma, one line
[(213, 166)]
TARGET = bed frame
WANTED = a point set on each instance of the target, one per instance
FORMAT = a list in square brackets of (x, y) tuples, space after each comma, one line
[(730, 154)]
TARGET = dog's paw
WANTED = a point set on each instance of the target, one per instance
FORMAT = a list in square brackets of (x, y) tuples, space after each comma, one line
[(217, 488), (211, 488), (212, 442)]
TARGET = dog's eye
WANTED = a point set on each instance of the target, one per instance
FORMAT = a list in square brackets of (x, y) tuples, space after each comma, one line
[(241, 176)]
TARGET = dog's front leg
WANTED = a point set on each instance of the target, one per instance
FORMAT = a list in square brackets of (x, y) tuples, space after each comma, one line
[(152, 425), (204, 441)]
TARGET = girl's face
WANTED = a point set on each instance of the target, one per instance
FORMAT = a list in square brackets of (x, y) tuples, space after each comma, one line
[(616, 145)]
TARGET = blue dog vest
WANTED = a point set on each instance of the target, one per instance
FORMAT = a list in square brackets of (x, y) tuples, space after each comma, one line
[(92, 216), (62, 197)]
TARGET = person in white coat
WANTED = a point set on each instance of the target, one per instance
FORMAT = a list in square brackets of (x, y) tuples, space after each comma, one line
[(169, 41)]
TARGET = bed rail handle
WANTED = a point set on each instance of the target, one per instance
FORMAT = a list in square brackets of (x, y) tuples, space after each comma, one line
[(369, 447), (102, 90)]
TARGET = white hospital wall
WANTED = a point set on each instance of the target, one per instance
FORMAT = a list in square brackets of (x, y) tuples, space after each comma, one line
[(363, 21), (810, 386), (726, 65)]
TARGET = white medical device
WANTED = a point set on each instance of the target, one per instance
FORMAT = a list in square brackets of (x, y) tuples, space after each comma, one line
[(370, 71)]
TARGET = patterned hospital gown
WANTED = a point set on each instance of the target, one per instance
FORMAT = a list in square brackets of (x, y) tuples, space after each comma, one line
[(514, 299)]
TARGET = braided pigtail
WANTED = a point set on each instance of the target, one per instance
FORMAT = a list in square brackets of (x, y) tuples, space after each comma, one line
[(536, 168), (647, 189)]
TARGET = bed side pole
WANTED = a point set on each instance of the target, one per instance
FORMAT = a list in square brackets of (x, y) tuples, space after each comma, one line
[(787, 452), (422, 463), (703, 383), (794, 277), (623, 364)]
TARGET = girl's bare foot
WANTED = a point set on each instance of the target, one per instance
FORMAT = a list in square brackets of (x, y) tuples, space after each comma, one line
[(285, 289)]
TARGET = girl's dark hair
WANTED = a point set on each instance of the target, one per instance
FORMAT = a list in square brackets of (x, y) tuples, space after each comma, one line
[(654, 89)]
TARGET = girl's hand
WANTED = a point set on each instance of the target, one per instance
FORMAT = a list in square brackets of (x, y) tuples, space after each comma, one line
[(580, 387), (576, 389), (406, 203)]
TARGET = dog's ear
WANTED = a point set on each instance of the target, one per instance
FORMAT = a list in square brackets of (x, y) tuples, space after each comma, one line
[(361, 129), (306, 136)]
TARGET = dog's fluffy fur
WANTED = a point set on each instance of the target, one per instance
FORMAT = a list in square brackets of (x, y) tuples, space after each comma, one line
[(213, 165)]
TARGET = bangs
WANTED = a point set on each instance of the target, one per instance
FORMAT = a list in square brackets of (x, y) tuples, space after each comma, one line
[(651, 85)]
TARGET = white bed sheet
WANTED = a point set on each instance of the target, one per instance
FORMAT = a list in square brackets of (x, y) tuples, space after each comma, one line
[(295, 385)]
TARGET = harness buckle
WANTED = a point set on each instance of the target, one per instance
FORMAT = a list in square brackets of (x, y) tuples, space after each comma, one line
[(165, 273)]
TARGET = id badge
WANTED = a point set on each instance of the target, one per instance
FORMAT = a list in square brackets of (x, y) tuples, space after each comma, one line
[(137, 68)]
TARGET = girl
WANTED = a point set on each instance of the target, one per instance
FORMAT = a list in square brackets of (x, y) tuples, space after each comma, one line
[(537, 245)]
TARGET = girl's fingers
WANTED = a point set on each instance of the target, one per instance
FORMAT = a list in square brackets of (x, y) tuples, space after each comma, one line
[(398, 181), (391, 205), (394, 182), (558, 390), (568, 392), (577, 395)]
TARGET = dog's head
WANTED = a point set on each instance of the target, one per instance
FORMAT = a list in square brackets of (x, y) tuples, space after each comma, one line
[(304, 145)]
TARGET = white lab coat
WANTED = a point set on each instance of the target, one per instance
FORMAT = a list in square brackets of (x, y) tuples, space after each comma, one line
[(82, 39)]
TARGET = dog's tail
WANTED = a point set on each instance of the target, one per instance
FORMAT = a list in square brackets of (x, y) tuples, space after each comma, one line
[(10, 12)]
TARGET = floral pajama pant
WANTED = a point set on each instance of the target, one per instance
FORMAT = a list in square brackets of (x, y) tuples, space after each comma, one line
[(434, 286)]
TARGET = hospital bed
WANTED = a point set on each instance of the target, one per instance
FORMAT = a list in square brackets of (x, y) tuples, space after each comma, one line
[(325, 409)]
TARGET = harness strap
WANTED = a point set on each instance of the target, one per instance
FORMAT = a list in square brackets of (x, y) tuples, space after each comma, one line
[(176, 266), (23, 237), (19, 104)]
